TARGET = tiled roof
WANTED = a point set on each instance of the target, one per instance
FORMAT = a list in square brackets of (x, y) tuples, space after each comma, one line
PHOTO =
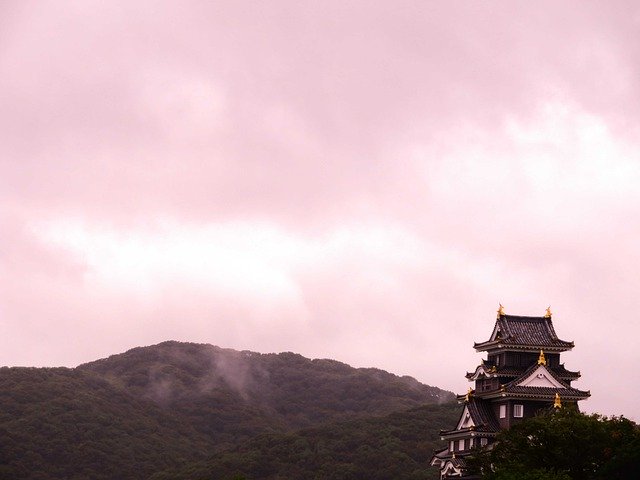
[(482, 415), (482, 369), (482, 411), (510, 371), (525, 331), (560, 371), (445, 456), (566, 392), (548, 392), (512, 387), (564, 373), (443, 453), (458, 462)]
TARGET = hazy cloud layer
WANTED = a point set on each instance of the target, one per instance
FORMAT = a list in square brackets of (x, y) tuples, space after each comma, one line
[(355, 180)]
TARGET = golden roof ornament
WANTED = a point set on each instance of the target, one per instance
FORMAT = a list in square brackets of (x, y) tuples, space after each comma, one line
[(500, 310), (541, 359), (557, 402), (468, 395), (547, 313)]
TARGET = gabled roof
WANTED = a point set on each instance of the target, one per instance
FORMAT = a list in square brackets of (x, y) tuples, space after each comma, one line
[(527, 332), (539, 376), (445, 461), (560, 371), (538, 382), (441, 454), (466, 420), (483, 411), (454, 466), (477, 416)]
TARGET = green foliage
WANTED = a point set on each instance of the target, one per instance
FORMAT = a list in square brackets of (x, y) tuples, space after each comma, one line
[(279, 391), (159, 408), (63, 423), (564, 445), (397, 446)]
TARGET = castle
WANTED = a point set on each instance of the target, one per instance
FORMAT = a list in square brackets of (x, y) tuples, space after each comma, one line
[(521, 375)]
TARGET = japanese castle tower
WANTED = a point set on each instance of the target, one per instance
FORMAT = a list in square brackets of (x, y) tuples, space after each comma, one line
[(521, 375)]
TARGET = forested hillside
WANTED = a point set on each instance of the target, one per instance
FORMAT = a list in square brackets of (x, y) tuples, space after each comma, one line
[(231, 396), (397, 446), (64, 423), (167, 407)]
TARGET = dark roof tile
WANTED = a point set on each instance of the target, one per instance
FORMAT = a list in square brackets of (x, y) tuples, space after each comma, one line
[(525, 331), (564, 373), (482, 411), (549, 392), (482, 415)]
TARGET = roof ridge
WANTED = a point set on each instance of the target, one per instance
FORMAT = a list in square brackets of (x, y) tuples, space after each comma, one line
[(525, 317)]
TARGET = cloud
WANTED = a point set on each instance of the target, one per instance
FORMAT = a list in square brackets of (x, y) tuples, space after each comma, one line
[(358, 181)]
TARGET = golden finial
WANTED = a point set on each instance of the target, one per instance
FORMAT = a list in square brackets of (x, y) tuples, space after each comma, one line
[(547, 314), (453, 455), (500, 310), (468, 395), (541, 359), (557, 402)]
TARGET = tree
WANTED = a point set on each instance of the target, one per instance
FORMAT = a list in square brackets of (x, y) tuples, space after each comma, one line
[(563, 445)]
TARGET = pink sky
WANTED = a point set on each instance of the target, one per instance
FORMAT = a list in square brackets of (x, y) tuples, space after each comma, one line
[(362, 181)]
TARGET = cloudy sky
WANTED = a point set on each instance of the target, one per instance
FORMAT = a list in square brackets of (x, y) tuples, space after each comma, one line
[(362, 181)]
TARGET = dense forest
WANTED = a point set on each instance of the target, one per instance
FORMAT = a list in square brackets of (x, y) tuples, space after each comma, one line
[(563, 445), (396, 446), (181, 410)]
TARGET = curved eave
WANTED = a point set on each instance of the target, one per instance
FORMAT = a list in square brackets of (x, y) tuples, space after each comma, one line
[(549, 395), (462, 431), (439, 456), (463, 398), (459, 457), (569, 377), (467, 432), (505, 345), (481, 370), (563, 373)]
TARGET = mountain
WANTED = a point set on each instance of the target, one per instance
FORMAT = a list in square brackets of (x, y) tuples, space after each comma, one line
[(231, 395), (65, 423), (167, 406), (396, 446)]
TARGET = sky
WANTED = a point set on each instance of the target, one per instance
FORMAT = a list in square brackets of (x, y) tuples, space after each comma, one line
[(363, 181)]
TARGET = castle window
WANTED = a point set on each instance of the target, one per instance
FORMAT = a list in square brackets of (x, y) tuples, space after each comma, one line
[(451, 446), (518, 411), (483, 442), (461, 444), (503, 411)]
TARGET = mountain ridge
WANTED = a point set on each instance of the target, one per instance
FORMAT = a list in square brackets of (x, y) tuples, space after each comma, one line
[(282, 384), (157, 408)]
